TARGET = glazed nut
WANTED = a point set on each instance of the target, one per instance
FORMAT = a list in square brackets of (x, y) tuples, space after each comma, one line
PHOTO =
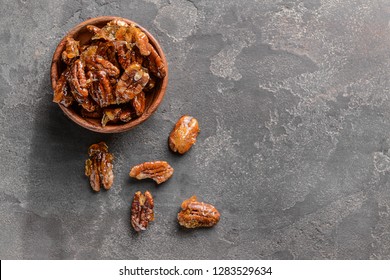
[(98, 63), (184, 134), (71, 50), (159, 171), (62, 94), (108, 76), (115, 115), (142, 210), (131, 83), (101, 89), (195, 214), (139, 103), (99, 167)]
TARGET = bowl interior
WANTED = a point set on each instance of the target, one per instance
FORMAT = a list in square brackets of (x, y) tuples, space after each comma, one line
[(153, 99)]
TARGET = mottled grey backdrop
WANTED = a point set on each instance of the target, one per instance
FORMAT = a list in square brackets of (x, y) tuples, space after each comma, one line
[(293, 103)]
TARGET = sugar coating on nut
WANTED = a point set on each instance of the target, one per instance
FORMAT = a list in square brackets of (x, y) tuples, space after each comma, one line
[(62, 92), (118, 68), (159, 171), (131, 83), (71, 50), (139, 103), (184, 134), (99, 167), (142, 210), (196, 214)]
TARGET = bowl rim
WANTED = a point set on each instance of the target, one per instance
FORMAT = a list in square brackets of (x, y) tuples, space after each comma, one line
[(54, 75)]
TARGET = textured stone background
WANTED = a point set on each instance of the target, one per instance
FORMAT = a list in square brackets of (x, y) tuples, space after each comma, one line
[(293, 102)]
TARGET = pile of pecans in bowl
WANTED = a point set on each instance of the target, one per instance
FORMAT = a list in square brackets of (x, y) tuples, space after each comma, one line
[(110, 78)]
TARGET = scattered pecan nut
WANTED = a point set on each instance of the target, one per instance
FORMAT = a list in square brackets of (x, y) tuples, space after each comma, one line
[(99, 167), (184, 134), (142, 210), (159, 171), (196, 214)]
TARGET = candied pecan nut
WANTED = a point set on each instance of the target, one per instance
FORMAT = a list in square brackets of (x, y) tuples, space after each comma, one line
[(124, 55), (78, 81), (139, 103), (79, 86), (125, 115), (89, 51), (62, 93), (132, 35), (127, 55), (155, 63), (196, 214), (71, 50), (135, 56), (106, 33), (110, 115), (131, 83), (117, 22), (91, 170), (124, 33), (109, 31), (142, 210), (121, 31), (96, 30), (184, 134), (106, 170), (98, 63), (159, 171), (141, 41), (99, 167), (115, 115), (101, 90), (107, 50)]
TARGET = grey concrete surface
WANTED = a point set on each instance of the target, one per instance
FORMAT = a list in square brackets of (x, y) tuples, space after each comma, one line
[(293, 103)]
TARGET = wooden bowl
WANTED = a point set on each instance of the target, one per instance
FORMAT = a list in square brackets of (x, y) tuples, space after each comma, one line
[(153, 99)]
